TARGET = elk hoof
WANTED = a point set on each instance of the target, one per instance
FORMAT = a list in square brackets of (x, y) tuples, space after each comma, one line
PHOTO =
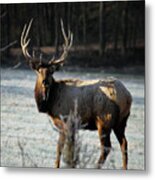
[(56, 164), (125, 168), (100, 163), (99, 166)]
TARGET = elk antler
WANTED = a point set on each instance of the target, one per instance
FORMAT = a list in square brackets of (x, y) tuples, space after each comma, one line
[(25, 42), (33, 62), (66, 46)]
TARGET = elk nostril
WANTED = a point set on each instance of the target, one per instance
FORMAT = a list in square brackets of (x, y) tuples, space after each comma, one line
[(44, 82)]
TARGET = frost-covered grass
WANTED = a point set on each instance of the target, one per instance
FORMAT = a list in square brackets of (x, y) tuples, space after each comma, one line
[(28, 139)]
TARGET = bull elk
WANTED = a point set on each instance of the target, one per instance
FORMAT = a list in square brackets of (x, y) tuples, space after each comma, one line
[(103, 105)]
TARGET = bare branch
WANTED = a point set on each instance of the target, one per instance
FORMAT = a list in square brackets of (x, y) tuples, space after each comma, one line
[(17, 65), (8, 46), (23, 154), (3, 14)]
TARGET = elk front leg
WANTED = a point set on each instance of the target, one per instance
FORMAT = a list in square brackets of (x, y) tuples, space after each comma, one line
[(61, 141), (60, 147)]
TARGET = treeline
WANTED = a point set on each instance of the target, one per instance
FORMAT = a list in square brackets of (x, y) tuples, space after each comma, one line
[(104, 29)]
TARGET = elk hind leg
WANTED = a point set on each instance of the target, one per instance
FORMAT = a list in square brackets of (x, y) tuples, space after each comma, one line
[(104, 136), (120, 134), (105, 148)]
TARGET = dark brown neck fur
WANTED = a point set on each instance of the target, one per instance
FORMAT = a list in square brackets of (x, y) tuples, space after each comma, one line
[(45, 105)]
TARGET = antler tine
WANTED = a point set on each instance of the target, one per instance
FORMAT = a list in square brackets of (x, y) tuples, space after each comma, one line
[(63, 32), (24, 41), (23, 32), (66, 46), (71, 40)]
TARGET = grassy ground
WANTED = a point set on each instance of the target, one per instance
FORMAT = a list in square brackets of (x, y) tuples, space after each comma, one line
[(28, 138)]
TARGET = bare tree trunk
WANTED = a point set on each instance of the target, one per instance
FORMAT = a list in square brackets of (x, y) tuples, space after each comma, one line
[(68, 15), (45, 39), (56, 27), (102, 33), (125, 28), (8, 30), (135, 34), (42, 25), (37, 27), (84, 23), (130, 36), (116, 27), (75, 28)]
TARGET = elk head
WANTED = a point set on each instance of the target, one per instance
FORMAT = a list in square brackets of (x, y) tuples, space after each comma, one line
[(44, 69)]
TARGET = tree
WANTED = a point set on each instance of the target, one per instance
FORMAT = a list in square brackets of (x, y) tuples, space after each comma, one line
[(102, 28)]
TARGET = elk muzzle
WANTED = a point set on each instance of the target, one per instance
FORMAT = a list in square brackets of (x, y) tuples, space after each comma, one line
[(45, 92)]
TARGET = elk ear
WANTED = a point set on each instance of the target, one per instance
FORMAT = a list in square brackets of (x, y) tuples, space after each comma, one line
[(54, 68), (58, 66)]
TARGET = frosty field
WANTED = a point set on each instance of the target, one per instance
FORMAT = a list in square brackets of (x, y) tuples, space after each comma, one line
[(28, 138)]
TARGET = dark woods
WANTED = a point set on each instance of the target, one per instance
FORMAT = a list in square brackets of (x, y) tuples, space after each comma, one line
[(105, 33)]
